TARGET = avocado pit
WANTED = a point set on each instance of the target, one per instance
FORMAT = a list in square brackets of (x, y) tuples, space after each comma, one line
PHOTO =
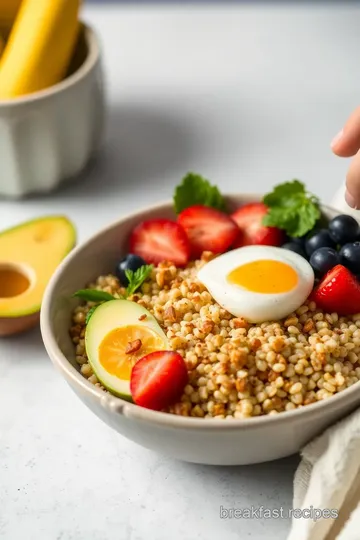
[(13, 281), (16, 280)]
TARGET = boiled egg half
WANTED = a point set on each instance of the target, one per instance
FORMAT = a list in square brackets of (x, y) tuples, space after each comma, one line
[(258, 283)]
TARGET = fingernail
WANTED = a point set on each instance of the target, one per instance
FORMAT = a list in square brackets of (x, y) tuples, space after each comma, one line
[(337, 138), (350, 200)]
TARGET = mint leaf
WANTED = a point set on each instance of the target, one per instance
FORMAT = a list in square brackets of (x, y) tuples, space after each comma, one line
[(137, 278), (309, 213), (93, 295), (89, 314), (283, 195), (194, 189), (292, 208), (278, 217)]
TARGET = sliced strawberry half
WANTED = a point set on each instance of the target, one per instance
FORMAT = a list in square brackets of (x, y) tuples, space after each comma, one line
[(338, 292), (249, 219), (159, 240), (158, 379), (208, 229)]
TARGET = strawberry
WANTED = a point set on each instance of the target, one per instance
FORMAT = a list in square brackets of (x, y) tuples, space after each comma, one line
[(249, 219), (338, 292), (208, 229), (158, 240), (158, 379)]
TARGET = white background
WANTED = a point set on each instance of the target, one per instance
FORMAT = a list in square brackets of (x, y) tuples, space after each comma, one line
[(249, 97)]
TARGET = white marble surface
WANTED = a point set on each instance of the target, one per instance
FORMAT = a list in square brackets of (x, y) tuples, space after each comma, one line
[(248, 96)]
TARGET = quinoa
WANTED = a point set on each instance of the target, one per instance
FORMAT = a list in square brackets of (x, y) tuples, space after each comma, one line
[(237, 369)]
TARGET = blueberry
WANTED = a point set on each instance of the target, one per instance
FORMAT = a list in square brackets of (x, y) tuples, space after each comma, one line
[(318, 240), (130, 262), (294, 246), (350, 257), (323, 259), (344, 229), (296, 240)]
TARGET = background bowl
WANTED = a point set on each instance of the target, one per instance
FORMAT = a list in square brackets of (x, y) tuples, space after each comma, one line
[(49, 136), (214, 441)]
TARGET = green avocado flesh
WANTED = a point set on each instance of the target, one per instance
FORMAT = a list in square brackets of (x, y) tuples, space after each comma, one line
[(29, 255), (107, 318)]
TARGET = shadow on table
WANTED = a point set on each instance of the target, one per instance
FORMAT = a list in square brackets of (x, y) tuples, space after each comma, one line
[(29, 341), (139, 143), (209, 493), (250, 480), (237, 473)]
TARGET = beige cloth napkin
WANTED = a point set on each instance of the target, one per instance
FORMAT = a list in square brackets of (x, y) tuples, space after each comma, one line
[(328, 477)]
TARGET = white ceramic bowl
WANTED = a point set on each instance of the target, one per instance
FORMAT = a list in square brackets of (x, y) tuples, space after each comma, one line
[(49, 136), (196, 440)]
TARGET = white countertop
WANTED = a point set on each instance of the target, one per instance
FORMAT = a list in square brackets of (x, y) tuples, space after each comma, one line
[(249, 97)]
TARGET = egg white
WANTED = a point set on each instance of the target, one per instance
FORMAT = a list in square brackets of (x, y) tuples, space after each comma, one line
[(252, 306)]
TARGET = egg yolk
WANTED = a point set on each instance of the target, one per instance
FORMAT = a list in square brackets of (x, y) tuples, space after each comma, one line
[(263, 276), (123, 347)]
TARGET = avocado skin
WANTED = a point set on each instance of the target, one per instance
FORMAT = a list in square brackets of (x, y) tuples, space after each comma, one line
[(26, 320)]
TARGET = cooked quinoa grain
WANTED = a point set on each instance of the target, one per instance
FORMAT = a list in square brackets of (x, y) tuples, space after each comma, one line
[(237, 369)]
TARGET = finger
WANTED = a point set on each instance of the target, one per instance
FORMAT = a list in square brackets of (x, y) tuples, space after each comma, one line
[(347, 142), (352, 194)]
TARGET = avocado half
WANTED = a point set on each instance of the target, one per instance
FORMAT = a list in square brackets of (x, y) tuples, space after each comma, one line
[(29, 254), (117, 314)]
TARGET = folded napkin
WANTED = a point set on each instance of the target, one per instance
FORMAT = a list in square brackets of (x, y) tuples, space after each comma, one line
[(328, 478)]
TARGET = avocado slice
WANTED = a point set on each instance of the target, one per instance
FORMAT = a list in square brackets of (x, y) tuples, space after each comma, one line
[(113, 326), (29, 254)]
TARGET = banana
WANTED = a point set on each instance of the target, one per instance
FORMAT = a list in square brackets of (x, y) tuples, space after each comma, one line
[(8, 11), (40, 46), (2, 45)]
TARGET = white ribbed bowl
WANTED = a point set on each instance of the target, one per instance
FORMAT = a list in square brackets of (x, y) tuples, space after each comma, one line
[(48, 137)]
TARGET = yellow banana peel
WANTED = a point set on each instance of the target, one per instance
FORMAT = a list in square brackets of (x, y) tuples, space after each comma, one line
[(8, 11), (2, 45), (39, 47)]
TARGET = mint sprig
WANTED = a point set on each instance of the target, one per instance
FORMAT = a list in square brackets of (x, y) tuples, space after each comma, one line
[(136, 279), (93, 295), (292, 208), (194, 189), (90, 313)]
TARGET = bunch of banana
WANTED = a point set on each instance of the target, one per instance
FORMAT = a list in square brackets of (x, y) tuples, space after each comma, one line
[(2, 44), (8, 11), (40, 44)]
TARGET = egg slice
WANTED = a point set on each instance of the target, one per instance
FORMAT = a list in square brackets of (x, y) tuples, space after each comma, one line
[(258, 283), (119, 333)]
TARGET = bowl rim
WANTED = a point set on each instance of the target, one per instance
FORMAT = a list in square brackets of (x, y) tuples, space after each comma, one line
[(135, 412), (91, 60)]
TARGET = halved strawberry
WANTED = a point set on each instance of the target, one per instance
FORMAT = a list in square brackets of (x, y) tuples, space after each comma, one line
[(338, 292), (249, 219), (208, 229), (158, 379), (158, 240)]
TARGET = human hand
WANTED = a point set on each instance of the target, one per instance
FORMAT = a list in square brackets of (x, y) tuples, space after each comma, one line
[(347, 144)]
